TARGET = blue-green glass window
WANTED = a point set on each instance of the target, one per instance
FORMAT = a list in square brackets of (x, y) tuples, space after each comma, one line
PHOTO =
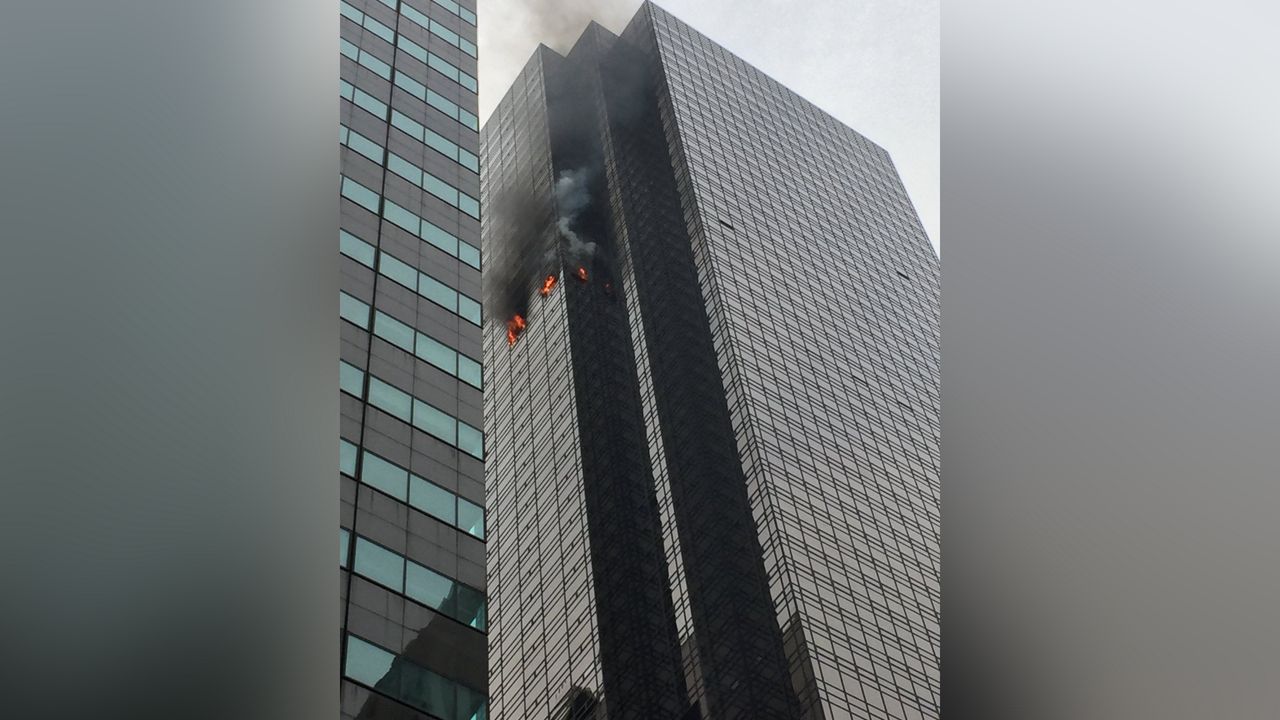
[(469, 371), (437, 63), (349, 49), (360, 194), (440, 238), (415, 15), (468, 160), (366, 663), (433, 500), (440, 189), (469, 255), (437, 292), (414, 87), (468, 82), (467, 46), (350, 13), (413, 49), (369, 103), (364, 146), (355, 248), (389, 3), (382, 475), (401, 272), (344, 545), (375, 64), (470, 440), (379, 564), (469, 309), (471, 608), (440, 144), (449, 36), (404, 169), (468, 119), (351, 379), (407, 125), (401, 217), (441, 103), (471, 518), (393, 331), (434, 422), (438, 354), (379, 29), (389, 399), (353, 310), (347, 457), (430, 588), (469, 205)]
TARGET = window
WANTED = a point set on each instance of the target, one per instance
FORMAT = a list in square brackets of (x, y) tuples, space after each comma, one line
[(470, 372), (433, 500), (398, 271), (347, 457), (353, 310), (366, 663), (344, 544), (471, 608), (471, 518), (393, 331), (469, 309), (360, 194), (469, 255), (350, 379), (355, 248), (435, 422), (422, 494), (401, 217), (379, 564), (438, 354), (441, 239), (404, 169), (361, 144), (382, 475), (470, 440), (431, 589), (389, 399), (437, 292)]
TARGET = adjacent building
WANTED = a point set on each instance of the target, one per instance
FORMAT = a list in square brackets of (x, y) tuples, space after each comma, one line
[(412, 540), (711, 406)]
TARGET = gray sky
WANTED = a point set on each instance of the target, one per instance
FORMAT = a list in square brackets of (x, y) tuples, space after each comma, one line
[(871, 63)]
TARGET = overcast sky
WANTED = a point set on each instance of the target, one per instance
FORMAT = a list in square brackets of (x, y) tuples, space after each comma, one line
[(871, 63)]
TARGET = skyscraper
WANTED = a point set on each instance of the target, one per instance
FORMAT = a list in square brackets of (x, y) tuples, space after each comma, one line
[(412, 475), (712, 404)]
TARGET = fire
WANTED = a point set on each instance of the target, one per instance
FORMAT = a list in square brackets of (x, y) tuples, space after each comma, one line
[(548, 285), (515, 326), (582, 274)]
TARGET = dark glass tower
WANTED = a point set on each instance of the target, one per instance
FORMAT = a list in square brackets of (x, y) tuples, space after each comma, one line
[(712, 404), (414, 606)]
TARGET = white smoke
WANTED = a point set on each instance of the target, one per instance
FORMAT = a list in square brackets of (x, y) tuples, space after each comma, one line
[(573, 195)]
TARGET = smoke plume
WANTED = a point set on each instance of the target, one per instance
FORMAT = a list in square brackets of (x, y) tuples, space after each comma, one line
[(573, 195)]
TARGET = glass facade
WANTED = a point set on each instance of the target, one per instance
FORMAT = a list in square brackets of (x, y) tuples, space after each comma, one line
[(711, 363), (414, 610)]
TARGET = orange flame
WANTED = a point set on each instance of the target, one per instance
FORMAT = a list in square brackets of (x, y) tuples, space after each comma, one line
[(515, 326), (582, 274), (548, 285)]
